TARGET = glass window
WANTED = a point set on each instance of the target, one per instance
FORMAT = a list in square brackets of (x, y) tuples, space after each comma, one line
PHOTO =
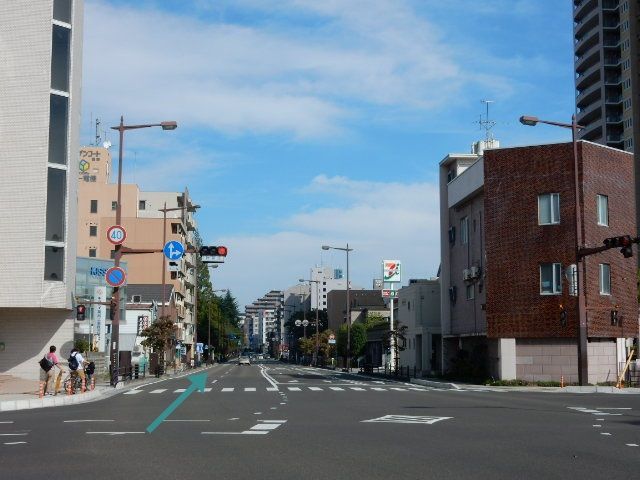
[(470, 292), (56, 200), (464, 230), (114, 205), (603, 210), (60, 53), (58, 113), (62, 10), (142, 205), (94, 206), (92, 252), (605, 279), (93, 230), (53, 263), (550, 279), (549, 209)]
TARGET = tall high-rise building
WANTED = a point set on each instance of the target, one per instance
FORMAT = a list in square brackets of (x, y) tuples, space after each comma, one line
[(39, 126), (607, 67)]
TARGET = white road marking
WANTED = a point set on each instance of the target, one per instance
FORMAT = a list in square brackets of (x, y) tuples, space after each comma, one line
[(114, 433), (621, 408), (267, 377), (207, 390), (81, 421), (272, 389), (246, 432), (274, 408), (7, 422), (213, 382), (295, 389), (428, 420), (357, 389), (180, 390), (228, 389), (282, 403), (315, 389), (235, 418), (379, 389), (250, 389), (337, 389), (132, 392), (13, 434), (603, 433), (398, 389), (257, 413), (160, 390), (273, 421), (265, 426), (14, 443), (631, 444), (187, 420), (597, 426)]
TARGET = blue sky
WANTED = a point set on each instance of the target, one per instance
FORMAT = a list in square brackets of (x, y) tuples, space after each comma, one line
[(306, 122)]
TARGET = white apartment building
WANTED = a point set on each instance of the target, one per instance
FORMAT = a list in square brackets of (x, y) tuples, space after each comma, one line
[(41, 58)]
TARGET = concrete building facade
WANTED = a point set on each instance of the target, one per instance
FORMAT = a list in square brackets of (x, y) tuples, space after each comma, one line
[(40, 81)]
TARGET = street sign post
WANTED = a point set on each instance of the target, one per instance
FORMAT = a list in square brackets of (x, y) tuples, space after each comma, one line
[(173, 250), (332, 339), (115, 276), (116, 234)]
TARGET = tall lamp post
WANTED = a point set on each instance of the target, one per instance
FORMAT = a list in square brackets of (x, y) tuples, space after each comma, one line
[(348, 309), (583, 366), (317, 282), (115, 323)]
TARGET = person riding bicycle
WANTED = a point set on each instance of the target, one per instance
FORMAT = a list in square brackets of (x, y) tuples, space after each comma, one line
[(77, 364)]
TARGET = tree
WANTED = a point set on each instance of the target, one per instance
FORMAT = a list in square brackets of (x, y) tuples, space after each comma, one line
[(358, 340), (158, 335)]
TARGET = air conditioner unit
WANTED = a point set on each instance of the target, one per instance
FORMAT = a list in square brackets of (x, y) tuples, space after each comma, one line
[(466, 274), (475, 272), (136, 298)]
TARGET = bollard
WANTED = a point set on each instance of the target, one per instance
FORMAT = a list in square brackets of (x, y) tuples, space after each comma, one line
[(93, 384), (561, 381), (83, 388), (41, 390)]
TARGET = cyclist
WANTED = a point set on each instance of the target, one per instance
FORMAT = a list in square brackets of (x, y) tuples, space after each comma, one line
[(76, 365)]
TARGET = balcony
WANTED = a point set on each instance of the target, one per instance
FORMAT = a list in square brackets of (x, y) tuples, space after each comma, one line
[(586, 24), (589, 95), (593, 131), (583, 7), (613, 99), (588, 77), (585, 42), (588, 59), (589, 114), (610, 5), (612, 79)]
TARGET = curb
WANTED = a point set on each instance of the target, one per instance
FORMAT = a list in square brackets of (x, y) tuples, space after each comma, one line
[(100, 393)]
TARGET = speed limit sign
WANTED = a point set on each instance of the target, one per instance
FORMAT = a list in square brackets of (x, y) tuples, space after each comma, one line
[(116, 234)]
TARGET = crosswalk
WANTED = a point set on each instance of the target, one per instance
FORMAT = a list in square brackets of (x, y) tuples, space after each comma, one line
[(288, 388)]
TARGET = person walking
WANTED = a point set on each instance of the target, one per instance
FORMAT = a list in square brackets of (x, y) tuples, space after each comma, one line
[(52, 387)]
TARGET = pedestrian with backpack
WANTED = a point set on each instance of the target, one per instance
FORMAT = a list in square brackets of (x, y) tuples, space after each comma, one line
[(77, 363), (49, 363)]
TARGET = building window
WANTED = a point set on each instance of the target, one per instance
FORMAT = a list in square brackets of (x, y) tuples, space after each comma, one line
[(114, 205), (58, 117), (603, 210), (60, 55), (470, 292), (94, 206), (142, 205), (93, 231), (62, 10), (53, 263), (549, 209), (605, 279), (92, 252), (464, 230), (174, 228), (550, 279), (56, 200)]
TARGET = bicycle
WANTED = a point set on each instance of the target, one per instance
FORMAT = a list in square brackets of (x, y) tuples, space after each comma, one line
[(73, 382)]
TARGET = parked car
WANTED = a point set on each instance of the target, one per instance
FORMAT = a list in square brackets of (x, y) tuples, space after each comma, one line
[(244, 361)]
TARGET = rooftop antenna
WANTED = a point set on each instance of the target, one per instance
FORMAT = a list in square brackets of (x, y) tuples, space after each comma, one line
[(485, 123)]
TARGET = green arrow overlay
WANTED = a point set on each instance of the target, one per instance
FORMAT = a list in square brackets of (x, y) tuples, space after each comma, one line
[(198, 382)]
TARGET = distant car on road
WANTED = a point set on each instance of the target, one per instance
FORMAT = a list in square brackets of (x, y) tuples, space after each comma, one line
[(244, 361)]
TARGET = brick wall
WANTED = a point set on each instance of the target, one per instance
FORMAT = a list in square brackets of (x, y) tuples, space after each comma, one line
[(516, 245)]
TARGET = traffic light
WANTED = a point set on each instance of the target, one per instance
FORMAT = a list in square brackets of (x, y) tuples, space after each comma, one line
[(623, 241), (563, 316), (212, 251), (80, 311)]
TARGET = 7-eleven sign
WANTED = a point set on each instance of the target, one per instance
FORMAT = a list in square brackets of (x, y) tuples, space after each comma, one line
[(391, 271)]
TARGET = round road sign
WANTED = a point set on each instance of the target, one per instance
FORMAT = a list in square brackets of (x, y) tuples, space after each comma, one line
[(116, 234), (115, 276), (305, 322), (298, 323)]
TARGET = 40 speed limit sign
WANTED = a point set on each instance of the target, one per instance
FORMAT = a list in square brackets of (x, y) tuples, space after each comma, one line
[(116, 234)]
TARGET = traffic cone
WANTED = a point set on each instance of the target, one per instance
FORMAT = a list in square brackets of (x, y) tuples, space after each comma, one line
[(84, 385), (93, 384), (41, 390)]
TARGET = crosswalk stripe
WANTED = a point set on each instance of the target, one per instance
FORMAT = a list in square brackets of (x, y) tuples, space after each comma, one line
[(250, 389), (358, 389), (337, 389), (398, 389), (180, 390), (378, 389), (295, 389), (160, 390), (228, 389), (315, 389), (132, 392), (272, 389), (207, 390)]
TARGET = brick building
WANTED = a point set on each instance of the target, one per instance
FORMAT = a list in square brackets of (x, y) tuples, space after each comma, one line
[(530, 242)]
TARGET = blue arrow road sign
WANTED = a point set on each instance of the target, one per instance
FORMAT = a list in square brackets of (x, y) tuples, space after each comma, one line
[(173, 250)]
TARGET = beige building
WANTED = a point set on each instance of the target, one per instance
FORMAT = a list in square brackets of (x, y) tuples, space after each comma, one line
[(143, 222), (41, 57)]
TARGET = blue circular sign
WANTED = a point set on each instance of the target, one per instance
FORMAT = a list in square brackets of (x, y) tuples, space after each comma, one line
[(173, 250), (115, 276)]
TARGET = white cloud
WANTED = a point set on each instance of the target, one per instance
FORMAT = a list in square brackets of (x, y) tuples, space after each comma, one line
[(379, 220)]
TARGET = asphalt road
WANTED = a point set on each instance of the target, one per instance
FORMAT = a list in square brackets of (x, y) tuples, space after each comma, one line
[(276, 421)]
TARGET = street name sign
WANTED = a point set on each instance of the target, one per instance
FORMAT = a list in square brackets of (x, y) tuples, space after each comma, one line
[(173, 250), (115, 276), (116, 234)]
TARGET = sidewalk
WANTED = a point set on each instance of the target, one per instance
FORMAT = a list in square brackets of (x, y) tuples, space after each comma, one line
[(21, 394)]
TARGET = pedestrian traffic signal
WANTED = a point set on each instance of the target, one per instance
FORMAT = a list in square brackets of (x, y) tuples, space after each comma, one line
[(80, 311), (563, 316), (623, 241)]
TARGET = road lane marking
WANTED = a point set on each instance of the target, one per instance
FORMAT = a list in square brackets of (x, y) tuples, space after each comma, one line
[(426, 420), (186, 420), (207, 390), (180, 390), (631, 444), (273, 421), (603, 433), (7, 422), (379, 389), (228, 389), (337, 389), (265, 426), (14, 443), (620, 408), (249, 389), (133, 392), (398, 389), (81, 421), (315, 389), (115, 433), (294, 389), (257, 413), (597, 426), (159, 390), (213, 382), (357, 389), (272, 389), (267, 377), (13, 434)]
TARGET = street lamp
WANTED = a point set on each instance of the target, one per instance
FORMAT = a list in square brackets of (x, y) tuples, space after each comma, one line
[(348, 310), (317, 282), (115, 323), (583, 366)]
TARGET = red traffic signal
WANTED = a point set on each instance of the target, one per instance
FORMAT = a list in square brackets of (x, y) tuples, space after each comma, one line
[(212, 251), (624, 241), (80, 312)]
